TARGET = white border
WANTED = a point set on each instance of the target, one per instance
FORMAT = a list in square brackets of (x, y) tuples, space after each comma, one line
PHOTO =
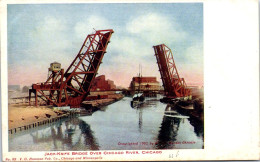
[(231, 54)]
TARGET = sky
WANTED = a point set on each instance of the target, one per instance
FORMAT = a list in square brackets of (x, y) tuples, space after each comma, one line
[(39, 34)]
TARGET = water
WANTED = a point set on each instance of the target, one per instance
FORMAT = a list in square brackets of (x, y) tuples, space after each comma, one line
[(115, 127)]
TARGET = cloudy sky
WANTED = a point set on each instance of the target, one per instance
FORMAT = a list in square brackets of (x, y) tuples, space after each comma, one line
[(39, 34)]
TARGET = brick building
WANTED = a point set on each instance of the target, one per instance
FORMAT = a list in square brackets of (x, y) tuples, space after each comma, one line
[(146, 84), (101, 84)]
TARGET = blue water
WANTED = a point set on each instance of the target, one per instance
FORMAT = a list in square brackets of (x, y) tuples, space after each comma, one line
[(115, 127)]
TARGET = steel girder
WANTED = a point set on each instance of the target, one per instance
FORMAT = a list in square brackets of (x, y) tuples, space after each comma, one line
[(174, 86), (71, 87)]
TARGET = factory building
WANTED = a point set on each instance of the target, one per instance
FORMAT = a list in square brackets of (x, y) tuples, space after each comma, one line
[(144, 84), (101, 84)]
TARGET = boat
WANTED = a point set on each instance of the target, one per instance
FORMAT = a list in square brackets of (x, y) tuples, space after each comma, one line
[(138, 97)]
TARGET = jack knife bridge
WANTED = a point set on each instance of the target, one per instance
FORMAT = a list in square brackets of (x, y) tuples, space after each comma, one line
[(71, 87), (174, 86)]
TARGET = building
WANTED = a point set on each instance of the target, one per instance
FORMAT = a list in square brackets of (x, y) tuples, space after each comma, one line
[(111, 83), (101, 84), (144, 84)]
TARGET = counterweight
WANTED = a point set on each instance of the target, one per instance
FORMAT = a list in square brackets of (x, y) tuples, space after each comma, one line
[(73, 86)]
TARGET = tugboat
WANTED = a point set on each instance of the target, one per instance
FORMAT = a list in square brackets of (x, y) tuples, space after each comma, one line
[(137, 100), (138, 97)]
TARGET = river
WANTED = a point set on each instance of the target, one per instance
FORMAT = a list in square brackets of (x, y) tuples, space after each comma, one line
[(117, 126)]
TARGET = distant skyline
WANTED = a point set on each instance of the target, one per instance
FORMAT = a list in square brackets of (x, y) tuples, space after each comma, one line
[(39, 34)]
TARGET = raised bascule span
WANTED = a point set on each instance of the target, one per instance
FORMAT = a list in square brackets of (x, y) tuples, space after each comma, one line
[(70, 88), (174, 86)]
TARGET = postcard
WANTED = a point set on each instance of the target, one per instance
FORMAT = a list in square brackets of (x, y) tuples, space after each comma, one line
[(129, 81)]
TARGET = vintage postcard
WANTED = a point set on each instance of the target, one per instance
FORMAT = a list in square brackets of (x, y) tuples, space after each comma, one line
[(114, 80)]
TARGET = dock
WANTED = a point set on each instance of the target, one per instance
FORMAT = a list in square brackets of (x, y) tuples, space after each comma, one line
[(88, 107)]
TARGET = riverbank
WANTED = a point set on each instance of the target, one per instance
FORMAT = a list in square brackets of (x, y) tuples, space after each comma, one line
[(23, 116)]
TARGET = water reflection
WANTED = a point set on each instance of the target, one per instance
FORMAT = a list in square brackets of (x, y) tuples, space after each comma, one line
[(170, 136), (168, 132), (67, 135), (151, 121), (139, 106), (198, 127), (90, 140), (140, 123)]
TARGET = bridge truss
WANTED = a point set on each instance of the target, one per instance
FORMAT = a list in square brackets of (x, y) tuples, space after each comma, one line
[(71, 87), (174, 86)]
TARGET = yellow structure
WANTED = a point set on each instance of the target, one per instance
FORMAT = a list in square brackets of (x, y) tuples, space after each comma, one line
[(55, 66)]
